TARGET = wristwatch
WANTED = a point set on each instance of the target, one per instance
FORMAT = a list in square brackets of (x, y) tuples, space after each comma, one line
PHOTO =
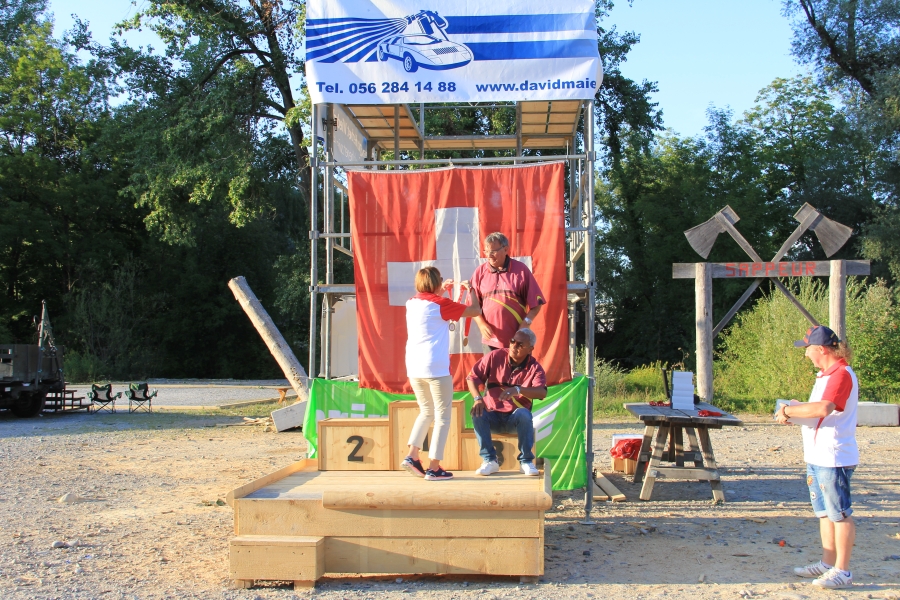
[(477, 398), (527, 320), (518, 390)]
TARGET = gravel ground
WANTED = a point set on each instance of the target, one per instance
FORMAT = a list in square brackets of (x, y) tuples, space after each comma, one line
[(203, 392), (154, 525)]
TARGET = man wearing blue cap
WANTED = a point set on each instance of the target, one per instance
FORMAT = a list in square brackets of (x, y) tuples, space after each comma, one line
[(830, 452)]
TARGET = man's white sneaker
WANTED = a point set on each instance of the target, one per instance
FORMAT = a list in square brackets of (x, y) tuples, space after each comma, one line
[(812, 571), (487, 467), (834, 579), (529, 469)]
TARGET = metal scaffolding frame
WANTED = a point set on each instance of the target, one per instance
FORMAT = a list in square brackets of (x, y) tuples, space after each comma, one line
[(580, 231)]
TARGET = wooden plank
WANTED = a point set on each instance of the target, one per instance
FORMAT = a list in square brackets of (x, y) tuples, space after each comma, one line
[(753, 270), (278, 561), (487, 556), (662, 433), (727, 419), (284, 517), (434, 497), (504, 481), (645, 412), (277, 540), (644, 454), (597, 494), (694, 447), (608, 488), (700, 474), (354, 445), (262, 482), (710, 459), (289, 417), (402, 415)]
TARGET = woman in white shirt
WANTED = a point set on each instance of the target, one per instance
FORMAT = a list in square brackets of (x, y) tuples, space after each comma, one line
[(428, 317)]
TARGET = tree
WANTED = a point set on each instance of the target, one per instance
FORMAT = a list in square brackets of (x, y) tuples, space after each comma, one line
[(855, 47), (204, 114), (58, 188), (813, 153), (848, 39)]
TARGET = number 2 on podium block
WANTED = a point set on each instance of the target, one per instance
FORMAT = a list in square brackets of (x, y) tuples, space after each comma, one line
[(354, 445)]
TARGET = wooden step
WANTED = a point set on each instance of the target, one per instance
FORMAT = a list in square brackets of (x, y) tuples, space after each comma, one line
[(300, 559)]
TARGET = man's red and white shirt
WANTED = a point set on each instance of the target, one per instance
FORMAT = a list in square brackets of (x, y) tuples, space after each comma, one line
[(428, 329), (832, 442)]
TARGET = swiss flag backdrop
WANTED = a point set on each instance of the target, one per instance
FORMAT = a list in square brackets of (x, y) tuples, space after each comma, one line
[(405, 220)]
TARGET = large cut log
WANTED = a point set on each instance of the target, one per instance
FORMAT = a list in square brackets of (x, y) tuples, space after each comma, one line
[(279, 348)]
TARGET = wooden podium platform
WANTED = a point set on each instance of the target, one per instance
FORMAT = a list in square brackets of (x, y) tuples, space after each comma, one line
[(354, 511)]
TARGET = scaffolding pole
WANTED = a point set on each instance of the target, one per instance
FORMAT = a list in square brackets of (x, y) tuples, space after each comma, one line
[(589, 304), (313, 233)]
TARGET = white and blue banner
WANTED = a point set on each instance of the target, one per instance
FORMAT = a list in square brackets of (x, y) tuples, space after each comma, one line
[(393, 51)]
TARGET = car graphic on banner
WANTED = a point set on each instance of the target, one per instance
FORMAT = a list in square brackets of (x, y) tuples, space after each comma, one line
[(426, 51), (424, 44)]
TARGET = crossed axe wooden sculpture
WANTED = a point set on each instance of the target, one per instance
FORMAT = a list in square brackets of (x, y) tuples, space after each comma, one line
[(832, 235)]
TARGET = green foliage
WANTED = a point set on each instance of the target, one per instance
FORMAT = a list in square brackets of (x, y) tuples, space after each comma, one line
[(758, 361), (108, 321), (647, 379), (84, 368)]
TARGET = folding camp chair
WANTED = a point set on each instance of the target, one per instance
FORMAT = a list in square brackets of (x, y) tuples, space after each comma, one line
[(102, 398), (140, 397)]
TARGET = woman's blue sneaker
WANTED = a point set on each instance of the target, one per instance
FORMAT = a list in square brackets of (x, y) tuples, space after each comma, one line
[(413, 467), (437, 474)]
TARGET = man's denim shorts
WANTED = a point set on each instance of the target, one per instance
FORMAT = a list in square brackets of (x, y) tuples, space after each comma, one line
[(829, 491)]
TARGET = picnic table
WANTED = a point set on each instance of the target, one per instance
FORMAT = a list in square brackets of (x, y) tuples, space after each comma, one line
[(664, 424)]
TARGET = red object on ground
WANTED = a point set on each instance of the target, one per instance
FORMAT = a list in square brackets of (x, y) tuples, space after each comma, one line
[(626, 449), (709, 413)]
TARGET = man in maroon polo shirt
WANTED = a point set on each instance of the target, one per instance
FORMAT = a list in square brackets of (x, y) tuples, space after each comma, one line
[(503, 384), (508, 292)]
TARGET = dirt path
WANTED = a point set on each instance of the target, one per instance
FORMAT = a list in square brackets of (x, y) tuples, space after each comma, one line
[(155, 526)]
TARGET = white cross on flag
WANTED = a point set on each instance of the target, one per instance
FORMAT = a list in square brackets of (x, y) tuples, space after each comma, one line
[(457, 245), (403, 221)]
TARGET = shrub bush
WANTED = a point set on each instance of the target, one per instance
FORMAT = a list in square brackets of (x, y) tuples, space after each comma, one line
[(757, 362)]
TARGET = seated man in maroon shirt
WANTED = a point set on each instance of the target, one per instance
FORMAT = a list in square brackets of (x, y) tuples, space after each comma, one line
[(503, 384)]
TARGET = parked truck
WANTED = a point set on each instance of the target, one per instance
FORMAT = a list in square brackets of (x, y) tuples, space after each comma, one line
[(28, 372)]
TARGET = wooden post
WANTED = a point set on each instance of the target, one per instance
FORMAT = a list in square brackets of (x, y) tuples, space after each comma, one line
[(279, 348), (703, 300), (837, 298)]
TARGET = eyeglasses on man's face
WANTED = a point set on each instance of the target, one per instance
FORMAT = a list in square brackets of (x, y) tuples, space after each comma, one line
[(488, 251), (515, 342)]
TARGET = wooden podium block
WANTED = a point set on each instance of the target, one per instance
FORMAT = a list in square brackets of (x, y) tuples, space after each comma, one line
[(300, 523), (402, 416), (354, 445), (274, 557), (506, 444)]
